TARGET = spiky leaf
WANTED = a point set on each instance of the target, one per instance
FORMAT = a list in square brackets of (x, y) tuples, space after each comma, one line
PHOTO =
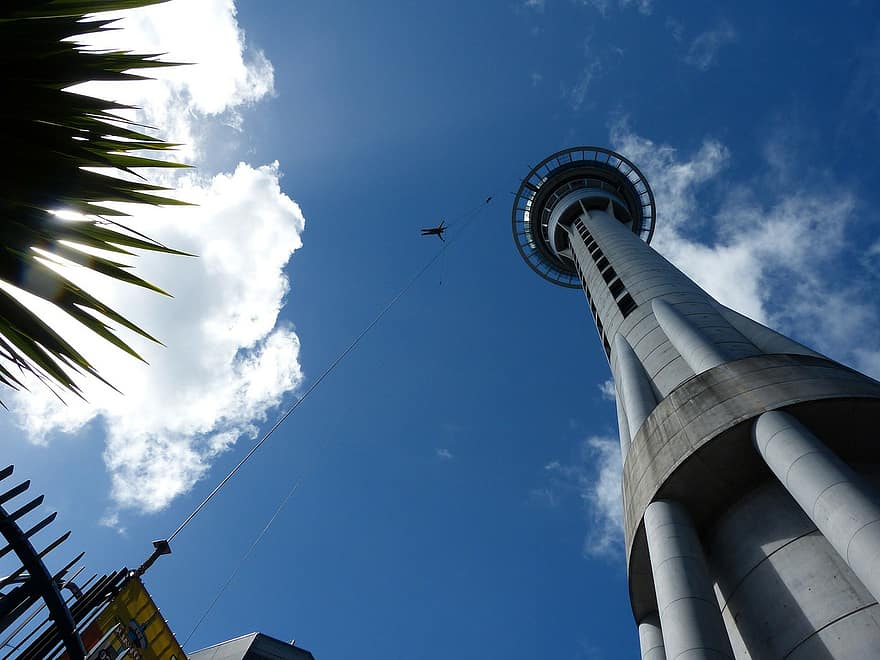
[(54, 140)]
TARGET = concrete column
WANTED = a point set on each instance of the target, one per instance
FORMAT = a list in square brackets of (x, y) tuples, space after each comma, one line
[(765, 339), (633, 383), (689, 614), (699, 353), (651, 638), (622, 425), (844, 508)]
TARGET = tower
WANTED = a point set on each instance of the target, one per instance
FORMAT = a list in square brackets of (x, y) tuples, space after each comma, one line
[(750, 462)]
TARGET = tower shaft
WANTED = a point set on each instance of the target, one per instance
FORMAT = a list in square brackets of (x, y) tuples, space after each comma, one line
[(751, 514), (691, 376)]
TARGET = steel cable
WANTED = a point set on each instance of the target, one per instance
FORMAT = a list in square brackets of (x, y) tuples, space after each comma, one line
[(465, 220)]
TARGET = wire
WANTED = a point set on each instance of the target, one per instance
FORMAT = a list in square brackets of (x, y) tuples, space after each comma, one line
[(241, 562), (466, 219)]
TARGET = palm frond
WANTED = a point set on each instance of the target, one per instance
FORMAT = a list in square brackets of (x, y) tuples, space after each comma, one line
[(67, 151)]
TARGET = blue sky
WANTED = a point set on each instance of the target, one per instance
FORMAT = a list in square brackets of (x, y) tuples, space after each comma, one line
[(458, 472)]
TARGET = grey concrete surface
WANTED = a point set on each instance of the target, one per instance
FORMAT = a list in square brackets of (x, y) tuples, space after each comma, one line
[(705, 406), (852, 638), (767, 340), (689, 615), (622, 424), (651, 638), (844, 507), (779, 582), (633, 384)]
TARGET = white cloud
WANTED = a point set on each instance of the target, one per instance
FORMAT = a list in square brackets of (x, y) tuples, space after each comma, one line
[(444, 454), (111, 520), (600, 6), (546, 497), (645, 7), (536, 5), (577, 93), (222, 74), (594, 476), (675, 27), (228, 360), (705, 46), (602, 496), (609, 393)]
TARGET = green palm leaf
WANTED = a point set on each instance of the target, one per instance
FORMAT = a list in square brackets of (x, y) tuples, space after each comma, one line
[(52, 135)]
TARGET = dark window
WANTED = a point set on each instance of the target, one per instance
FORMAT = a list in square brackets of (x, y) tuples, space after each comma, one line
[(609, 274), (606, 346), (601, 262), (627, 305), (595, 249), (616, 288), (593, 308), (599, 324), (590, 244)]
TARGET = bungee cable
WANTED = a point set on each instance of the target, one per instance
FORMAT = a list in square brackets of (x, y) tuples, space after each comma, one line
[(163, 546)]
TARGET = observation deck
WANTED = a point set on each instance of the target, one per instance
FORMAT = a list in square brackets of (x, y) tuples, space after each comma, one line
[(561, 188)]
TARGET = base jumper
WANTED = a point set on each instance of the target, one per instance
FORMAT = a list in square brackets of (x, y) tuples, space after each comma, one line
[(435, 231)]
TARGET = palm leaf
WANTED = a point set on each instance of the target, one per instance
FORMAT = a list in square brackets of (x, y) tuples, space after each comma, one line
[(63, 152)]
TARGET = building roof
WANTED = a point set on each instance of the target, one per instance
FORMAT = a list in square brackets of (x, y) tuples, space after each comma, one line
[(253, 646)]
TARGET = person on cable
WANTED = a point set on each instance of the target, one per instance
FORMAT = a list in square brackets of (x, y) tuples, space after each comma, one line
[(435, 231)]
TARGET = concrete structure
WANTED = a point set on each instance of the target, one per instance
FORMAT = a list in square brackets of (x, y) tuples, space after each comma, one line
[(255, 646), (752, 521)]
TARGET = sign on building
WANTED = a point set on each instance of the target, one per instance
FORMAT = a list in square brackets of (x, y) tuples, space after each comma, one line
[(131, 626)]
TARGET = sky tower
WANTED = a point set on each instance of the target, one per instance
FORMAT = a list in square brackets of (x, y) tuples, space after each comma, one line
[(750, 462)]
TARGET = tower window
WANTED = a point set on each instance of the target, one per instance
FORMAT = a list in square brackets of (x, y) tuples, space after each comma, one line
[(627, 305), (616, 288), (606, 346), (601, 262), (609, 274)]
